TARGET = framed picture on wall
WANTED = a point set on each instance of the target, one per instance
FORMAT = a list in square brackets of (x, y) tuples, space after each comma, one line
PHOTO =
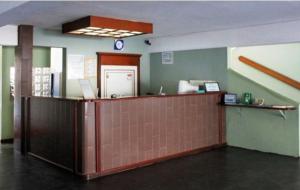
[(211, 87)]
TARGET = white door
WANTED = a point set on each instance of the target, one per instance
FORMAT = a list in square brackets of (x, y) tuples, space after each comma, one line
[(118, 80)]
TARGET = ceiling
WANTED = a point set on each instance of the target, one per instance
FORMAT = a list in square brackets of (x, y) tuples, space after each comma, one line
[(169, 18)]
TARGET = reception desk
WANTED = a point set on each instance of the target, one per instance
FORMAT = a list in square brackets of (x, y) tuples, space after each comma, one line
[(98, 137)]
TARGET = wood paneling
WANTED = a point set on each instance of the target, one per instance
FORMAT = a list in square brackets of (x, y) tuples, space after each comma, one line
[(77, 24), (102, 22), (52, 127), (93, 138), (118, 59), (121, 24), (137, 131), (271, 72), (23, 84), (62, 132)]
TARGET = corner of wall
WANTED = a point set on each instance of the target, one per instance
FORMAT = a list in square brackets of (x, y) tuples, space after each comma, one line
[(9, 35), (1, 92), (229, 57)]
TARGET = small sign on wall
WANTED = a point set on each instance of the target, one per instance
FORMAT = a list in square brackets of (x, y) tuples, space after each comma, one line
[(90, 67), (167, 57), (75, 66)]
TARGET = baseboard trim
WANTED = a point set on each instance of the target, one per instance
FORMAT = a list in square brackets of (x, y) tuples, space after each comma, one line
[(7, 141)]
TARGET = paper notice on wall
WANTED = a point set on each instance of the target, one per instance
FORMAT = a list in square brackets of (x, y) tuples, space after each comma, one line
[(75, 66), (90, 67), (167, 57)]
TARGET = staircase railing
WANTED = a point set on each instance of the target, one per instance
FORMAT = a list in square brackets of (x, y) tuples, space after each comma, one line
[(270, 72)]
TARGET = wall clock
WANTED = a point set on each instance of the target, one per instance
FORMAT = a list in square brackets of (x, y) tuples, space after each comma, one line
[(119, 44)]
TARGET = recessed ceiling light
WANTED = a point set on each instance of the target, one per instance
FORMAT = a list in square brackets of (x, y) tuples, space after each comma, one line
[(108, 29), (101, 31), (93, 24), (127, 34), (91, 33), (105, 35), (93, 28), (136, 32), (114, 33), (75, 32), (84, 30), (122, 31)]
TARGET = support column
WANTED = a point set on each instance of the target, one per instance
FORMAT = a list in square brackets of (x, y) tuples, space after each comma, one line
[(23, 84)]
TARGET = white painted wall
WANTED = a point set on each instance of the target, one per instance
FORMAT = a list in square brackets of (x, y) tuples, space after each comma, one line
[(283, 58), (256, 35), (9, 35)]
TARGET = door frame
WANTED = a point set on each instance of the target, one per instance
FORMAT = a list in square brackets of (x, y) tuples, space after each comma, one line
[(117, 59)]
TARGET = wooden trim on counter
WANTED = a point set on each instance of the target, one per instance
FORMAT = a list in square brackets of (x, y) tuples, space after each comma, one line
[(75, 139), (159, 96), (98, 137), (79, 99), (270, 72)]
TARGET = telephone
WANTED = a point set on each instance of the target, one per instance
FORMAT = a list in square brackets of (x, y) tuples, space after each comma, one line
[(247, 98)]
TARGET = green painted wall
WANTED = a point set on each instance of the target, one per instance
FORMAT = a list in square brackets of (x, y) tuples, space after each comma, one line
[(8, 60), (41, 58), (204, 64), (260, 129)]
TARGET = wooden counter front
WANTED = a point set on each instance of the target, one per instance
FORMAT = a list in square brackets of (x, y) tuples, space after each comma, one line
[(109, 136)]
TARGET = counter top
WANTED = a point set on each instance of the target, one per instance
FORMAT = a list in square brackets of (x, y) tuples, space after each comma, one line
[(130, 97)]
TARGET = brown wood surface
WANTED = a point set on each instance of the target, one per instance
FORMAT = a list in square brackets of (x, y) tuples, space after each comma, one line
[(23, 84), (77, 24), (101, 137), (117, 59), (270, 72), (102, 22), (52, 130), (121, 24), (158, 129)]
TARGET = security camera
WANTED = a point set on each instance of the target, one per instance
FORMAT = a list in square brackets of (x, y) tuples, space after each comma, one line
[(147, 42)]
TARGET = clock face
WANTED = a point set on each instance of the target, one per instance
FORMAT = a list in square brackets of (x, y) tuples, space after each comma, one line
[(119, 44)]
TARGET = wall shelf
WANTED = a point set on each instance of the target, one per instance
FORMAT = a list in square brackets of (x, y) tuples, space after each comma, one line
[(280, 108)]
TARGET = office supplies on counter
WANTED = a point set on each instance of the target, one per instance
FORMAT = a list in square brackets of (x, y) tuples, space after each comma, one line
[(230, 98)]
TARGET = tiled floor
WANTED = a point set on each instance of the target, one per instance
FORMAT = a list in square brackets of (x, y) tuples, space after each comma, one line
[(227, 168)]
